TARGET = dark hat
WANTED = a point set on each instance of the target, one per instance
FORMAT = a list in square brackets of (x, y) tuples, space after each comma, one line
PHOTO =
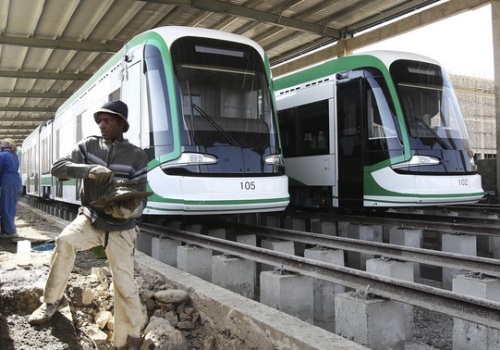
[(118, 108)]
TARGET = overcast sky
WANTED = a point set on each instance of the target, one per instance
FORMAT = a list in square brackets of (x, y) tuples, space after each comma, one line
[(463, 43)]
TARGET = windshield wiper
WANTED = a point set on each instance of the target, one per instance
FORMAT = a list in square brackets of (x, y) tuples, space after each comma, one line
[(438, 138), (212, 122)]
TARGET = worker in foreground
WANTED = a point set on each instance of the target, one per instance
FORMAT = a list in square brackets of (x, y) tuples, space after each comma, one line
[(113, 196)]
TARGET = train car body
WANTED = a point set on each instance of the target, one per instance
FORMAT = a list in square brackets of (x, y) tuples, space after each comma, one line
[(380, 129), (200, 105)]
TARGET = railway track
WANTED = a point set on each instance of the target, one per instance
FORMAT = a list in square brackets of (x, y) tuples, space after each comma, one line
[(481, 311)]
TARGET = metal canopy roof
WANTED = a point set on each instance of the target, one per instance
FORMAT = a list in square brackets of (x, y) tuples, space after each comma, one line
[(49, 48)]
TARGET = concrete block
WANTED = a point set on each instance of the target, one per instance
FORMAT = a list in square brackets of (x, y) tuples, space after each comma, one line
[(366, 233), (375, 323), (249, 239), (219, 233), (469, 335), (165, 250), (324, 291), (195, 260), (342, 228), (289, 293), (493, 246), (324, 227), (391, 268), (479, 286), (472, 336), (271, 221), (292, 223), (407, 238), (278, 245), (298, 224), (143, 243), (234, 274), (396, 269), (460, 244)]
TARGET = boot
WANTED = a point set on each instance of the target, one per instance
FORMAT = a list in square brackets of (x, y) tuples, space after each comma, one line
[(45, 312), (134, 343)]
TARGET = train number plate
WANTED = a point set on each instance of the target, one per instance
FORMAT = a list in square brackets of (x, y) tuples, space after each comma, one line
[(247, 185)]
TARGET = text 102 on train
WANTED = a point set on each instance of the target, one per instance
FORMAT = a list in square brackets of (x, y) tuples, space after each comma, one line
[(380, 129)]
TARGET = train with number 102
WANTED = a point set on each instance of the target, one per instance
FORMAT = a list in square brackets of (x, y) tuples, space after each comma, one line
[(200, 105), (375, 130)]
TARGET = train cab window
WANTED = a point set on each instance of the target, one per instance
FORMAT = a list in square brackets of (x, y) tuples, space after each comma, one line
[(379, 113), (430, 106), (161, 137), (304, 129), (226, 99)]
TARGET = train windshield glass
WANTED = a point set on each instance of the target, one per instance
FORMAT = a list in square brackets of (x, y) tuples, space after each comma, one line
[(225, 94), (429, 105)]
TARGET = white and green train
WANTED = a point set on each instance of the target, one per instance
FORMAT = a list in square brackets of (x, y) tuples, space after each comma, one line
[(200, 105), (380, 129)]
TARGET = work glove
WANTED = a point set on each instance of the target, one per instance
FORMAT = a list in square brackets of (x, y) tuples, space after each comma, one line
[(129, 209), (101, 174)]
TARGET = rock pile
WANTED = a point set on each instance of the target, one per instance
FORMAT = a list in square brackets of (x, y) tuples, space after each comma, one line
[(169, 320)]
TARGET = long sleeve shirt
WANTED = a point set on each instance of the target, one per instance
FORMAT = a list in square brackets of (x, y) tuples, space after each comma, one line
[(128, 163)]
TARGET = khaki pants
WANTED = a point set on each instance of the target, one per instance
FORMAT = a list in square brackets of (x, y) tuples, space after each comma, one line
[(79, 235)]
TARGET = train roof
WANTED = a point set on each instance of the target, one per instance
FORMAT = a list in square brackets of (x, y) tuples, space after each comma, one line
[(168, 34), (388, 56), (172, 33), (379, 58)]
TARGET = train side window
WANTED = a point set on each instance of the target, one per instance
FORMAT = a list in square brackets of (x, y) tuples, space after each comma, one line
[(349, 119), (44, 155), (304, 129)]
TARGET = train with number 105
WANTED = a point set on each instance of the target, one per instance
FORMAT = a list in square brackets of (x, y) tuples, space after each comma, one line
[(200, 105)]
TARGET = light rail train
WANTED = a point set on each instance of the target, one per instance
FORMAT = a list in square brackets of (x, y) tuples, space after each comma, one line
[(200, 105), (379, 129)]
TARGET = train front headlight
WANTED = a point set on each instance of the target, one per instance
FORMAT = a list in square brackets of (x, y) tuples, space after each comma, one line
[(417, 160), (274, 159), (191, 159)]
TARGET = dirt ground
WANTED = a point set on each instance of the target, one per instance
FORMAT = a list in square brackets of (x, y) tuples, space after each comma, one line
[(21, 285)]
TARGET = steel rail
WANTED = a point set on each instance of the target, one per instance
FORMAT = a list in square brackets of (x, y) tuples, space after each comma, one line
[(481, 311), (415, 222), (417, 255)]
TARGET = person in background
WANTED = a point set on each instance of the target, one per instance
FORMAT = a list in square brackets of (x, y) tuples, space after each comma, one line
[(103, 163), (10, 188)]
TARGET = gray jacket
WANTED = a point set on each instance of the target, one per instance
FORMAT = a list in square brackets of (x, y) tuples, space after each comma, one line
[(128, 163)]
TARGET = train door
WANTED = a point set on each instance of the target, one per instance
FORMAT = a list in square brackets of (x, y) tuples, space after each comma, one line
[(131, 94), (350, 146)]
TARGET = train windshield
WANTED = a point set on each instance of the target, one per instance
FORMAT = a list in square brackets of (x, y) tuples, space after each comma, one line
[(435, 126), (225, 94), (429, 105), (226, 114)]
